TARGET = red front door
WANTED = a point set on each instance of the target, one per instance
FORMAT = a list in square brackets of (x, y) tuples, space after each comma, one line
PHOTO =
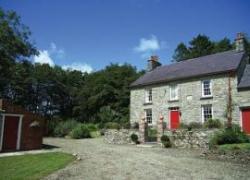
[(246, 120), (10, 133), (174, 119)]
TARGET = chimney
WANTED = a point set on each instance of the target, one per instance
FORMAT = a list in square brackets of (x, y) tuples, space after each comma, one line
[(153, 62), (239, 42)]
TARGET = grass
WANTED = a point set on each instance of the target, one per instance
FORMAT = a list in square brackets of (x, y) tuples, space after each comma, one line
[(231, 147), (33, 166)]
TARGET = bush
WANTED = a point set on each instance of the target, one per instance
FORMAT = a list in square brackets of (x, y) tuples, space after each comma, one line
[(92, 127), (112, 125), (95, 134), (232, 135), (165, 141), (213, 123), (63, 128), (191, 125), (80, 131), (134, 138)]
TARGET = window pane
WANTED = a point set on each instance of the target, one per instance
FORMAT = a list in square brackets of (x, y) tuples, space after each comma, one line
[(148, 95), (173, 92), (207, 112), (148, 115), (206, 87)]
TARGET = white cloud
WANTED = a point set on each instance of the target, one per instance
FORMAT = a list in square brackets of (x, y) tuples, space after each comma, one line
[(44, 58), (83, 67), (54, 50), (147, 45)]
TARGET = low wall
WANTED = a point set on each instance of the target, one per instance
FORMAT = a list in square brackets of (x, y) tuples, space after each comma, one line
[(122, 136), (198, 139)]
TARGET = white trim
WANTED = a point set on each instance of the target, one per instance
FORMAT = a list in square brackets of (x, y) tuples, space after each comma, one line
[(2, 132), (241, 123), (202, 88), (19, 131), (202, 112), (176, 91)]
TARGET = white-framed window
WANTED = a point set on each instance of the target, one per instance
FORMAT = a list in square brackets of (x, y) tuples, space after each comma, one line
[(148, 96), (173, 92), (148, 115), (206, 88), (207, 112)]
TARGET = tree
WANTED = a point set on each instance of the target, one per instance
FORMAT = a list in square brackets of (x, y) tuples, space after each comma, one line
[(15, 46), (200, 46), (181, 52), (222, 45)]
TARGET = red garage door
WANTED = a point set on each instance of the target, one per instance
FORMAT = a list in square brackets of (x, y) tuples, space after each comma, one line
[(246, 120), (10, 133), (174, 119)]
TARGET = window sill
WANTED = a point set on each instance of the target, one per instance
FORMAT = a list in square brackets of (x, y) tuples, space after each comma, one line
[(173, 100), (147, 103), (206, 97)]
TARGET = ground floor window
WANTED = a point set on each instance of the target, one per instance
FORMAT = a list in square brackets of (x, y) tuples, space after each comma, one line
[(148, 115), (207, 112)]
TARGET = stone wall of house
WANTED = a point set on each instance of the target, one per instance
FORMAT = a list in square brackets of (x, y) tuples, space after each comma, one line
[(122, 136), (190, 100), (197, 139)]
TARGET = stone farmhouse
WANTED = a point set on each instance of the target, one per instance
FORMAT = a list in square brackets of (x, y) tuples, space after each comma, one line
[(215, 86)]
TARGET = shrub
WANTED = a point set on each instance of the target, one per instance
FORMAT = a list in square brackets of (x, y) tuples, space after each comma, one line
[(95, 134), (91, 127), (80, 131), (232, 135), (165, 141), (63, 128), (191, 125), (213, 123), (134, 138), (112, 125)]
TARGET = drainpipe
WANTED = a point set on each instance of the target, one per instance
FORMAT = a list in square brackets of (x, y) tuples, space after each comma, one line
[(229, 105)]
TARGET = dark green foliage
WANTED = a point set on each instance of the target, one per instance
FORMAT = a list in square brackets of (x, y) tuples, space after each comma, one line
[(165, 141), (63, 128), (232, 135), (151, 134), (80, 131), (191, 125), (200, 45), (134, 138), (112, 125), (213, 123)]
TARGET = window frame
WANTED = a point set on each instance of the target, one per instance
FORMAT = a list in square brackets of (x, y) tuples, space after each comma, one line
[(148, 96), (210, 88), (202, 112), (176, 91), (149, 119)]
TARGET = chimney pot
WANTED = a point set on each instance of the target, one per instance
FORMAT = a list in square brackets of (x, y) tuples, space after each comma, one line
[(153, 62)]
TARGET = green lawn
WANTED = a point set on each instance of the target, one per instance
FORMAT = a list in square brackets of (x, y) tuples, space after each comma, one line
[(32, 166), (230, 147)]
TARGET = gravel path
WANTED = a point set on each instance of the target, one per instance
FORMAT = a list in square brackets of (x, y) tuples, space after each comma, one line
[(104, 161)]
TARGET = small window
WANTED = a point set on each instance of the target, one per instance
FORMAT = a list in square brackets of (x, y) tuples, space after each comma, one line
[(148, 95), (207, 112), (206, 88), (148, 114), (174, 92)]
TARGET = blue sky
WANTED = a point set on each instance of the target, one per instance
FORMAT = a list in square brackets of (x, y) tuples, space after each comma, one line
[(91, 34)]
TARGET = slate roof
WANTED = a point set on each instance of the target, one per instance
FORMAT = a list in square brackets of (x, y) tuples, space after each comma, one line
[(245, 79), (205, 65)]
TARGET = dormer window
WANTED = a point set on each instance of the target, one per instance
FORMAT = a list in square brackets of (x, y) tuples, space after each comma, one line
[(206, 88), (148, 96), (173, 92)]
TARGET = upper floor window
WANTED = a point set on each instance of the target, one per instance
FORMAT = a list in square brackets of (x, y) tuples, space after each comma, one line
[(207, 112), (206, 88), (174, 92), (148, 95), (148, 115)]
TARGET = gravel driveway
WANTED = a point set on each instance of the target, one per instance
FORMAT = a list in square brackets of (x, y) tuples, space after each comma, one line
[(104, 161)]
